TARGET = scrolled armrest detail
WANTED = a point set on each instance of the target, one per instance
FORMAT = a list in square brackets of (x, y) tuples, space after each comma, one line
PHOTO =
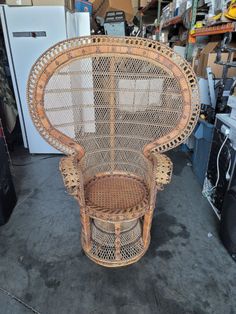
[(162, 168), (69, 167)]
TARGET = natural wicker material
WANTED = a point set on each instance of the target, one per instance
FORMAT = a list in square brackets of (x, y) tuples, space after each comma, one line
[(114, 105), (116, 197)]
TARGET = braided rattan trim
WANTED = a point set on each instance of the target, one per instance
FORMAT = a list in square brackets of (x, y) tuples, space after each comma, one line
[(162, 168), (109, 197), (97, 252), (151, 51), (70, 174)]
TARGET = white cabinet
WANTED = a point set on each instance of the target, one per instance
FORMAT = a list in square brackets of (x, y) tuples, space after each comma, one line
[(28, 32)]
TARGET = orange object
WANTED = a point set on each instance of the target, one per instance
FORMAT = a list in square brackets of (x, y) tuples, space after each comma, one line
[(191, 39), (214, 30)]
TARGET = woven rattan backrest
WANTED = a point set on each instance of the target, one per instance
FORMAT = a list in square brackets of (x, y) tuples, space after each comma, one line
[(112, 97)]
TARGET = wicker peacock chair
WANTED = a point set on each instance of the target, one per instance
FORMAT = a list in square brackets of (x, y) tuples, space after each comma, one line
[(114, 106)]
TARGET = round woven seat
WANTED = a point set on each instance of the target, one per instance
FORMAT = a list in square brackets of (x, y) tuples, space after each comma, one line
[(116, 197)]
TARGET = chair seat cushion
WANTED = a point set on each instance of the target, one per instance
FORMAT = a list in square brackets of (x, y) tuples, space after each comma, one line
[(116, 197)]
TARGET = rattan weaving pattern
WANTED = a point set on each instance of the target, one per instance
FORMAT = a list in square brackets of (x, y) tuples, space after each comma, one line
[(69, 169), (129, 236), (103, 244), (126, 161), (162, 168), (116, 197), (162, 62), (73, 177)]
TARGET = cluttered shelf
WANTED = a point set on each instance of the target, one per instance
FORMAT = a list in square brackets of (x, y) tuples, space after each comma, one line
[(173, 21), (214, 30), (148, 5)]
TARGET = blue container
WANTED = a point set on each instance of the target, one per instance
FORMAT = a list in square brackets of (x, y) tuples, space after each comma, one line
[(176, 12), (203, 138), (83, 6)]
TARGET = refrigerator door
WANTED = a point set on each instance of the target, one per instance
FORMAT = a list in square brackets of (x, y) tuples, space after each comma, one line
[(31, 31)]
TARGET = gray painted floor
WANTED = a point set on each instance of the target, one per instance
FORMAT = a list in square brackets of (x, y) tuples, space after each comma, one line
[(184, 271)]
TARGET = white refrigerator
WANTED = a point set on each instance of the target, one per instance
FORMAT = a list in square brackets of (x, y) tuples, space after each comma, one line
[(28, 32)]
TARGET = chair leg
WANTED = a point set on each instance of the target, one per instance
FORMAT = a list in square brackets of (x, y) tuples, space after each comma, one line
[(117, 241), (147, 223), (86, 229)]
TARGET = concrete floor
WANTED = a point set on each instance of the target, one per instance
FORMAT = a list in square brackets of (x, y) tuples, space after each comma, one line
[(184, 271)]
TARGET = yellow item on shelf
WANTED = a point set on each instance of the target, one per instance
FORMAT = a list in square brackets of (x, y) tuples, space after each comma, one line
[(199, 24), (215, 17), (231, 11)]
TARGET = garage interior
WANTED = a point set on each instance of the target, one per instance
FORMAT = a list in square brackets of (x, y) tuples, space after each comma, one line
[(189, 266)]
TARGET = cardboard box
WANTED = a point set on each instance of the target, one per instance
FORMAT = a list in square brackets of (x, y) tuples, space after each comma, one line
[(69, 4), (207, 58), (135, 5), (143, 3), (18, 2), (100, 7)]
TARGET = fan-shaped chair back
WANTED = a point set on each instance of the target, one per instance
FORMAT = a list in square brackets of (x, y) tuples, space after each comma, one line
[(113, 98)]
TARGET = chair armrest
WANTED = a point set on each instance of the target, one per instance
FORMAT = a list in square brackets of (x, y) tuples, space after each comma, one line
[(162, 169), (72, 176)]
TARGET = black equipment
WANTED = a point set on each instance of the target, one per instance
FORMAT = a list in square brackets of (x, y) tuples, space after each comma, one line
[(7, 191), (218, 183), (228, 222)]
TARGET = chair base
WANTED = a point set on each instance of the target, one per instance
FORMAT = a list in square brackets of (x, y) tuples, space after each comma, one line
[(116, 263), (102, 249)]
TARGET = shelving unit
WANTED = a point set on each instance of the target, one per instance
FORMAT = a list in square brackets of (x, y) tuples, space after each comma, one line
[(213, 30), (173, 21), (192, 33), (149, 5)]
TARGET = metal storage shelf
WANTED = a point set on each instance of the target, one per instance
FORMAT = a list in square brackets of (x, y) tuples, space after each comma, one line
[(149, 5), (214, 30), (172, 21)]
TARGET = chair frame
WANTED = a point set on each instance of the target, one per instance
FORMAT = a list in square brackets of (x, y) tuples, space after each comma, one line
[(72, 166)]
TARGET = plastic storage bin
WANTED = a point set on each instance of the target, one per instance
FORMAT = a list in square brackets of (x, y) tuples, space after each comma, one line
[(203, 138)]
